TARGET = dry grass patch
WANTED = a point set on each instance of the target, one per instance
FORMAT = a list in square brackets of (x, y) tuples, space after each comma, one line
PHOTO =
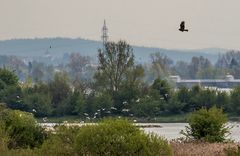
[(202, 149)]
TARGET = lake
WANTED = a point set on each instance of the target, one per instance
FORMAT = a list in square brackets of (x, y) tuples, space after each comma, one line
[(167, 130), (172, 130)]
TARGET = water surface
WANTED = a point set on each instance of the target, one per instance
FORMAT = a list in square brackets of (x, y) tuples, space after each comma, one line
[(172, 130)]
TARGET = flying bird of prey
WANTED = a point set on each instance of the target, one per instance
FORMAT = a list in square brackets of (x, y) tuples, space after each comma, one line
[(182, 27)]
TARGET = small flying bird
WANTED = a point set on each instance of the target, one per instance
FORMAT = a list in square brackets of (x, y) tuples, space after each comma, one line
[(182, 27), (113, 108), (137, 100), (44, 119)]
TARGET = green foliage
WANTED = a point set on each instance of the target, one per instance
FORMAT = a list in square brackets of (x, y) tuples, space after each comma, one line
[(10, 92), (114, 62), (61, 142), (162, 87), (183, 96), (12, 96), (175, 106), (110, 137), (203, 98), (8, 77), (118, 137), (38, 103), (4, 137), (147, 107), (76, 103), (38, 99), (207, 125), (59, 90), (77, 63), (22, 129), (223, 101), (235, 98), (197, 65), (104, 100), (161, 65)]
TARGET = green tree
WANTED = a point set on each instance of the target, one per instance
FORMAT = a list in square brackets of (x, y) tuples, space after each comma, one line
[(162, 87), (60, 90), (206, 98), (148, 107), (197, 64), (131, 90), (207, 125), (175, 106), (223, 101), (13, 97), (76, 104), (161, 65), (77, 64), (37, 71), (10, 91), (114, 62), (39, 104), (8, 77), (38, 99), (181, 69), (184, 96), (117, 74), (235, 98)]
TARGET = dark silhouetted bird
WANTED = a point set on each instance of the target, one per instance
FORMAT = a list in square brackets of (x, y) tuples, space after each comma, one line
[(182, 27)]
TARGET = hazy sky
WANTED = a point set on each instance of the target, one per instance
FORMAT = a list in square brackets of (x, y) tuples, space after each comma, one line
[(211, 23)]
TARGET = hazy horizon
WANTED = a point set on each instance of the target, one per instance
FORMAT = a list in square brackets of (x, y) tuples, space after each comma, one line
[(151, 23)]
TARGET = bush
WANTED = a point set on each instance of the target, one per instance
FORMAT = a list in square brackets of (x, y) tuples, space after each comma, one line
[(207, 125), (119, 137), (61, 142), (147, 107), (39, 102), (3, 137), (110, 137), (21, 129)]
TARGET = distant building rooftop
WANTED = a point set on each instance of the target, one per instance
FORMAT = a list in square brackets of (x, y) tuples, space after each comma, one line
[(228, 82)]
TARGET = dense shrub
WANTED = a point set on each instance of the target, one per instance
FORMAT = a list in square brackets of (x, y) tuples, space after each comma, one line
[(207, 125), (119, 137), (3, 137), (21, 129), (147, 107), (61, 142), (38, 103)]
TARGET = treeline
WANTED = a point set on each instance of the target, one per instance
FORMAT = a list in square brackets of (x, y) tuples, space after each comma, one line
[(119, 87), (202, 68), (84, 68)]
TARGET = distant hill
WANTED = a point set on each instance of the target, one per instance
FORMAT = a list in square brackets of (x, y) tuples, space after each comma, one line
[(60, 46)]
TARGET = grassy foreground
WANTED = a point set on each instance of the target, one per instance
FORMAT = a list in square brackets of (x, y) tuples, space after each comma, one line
[(205, 149)]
